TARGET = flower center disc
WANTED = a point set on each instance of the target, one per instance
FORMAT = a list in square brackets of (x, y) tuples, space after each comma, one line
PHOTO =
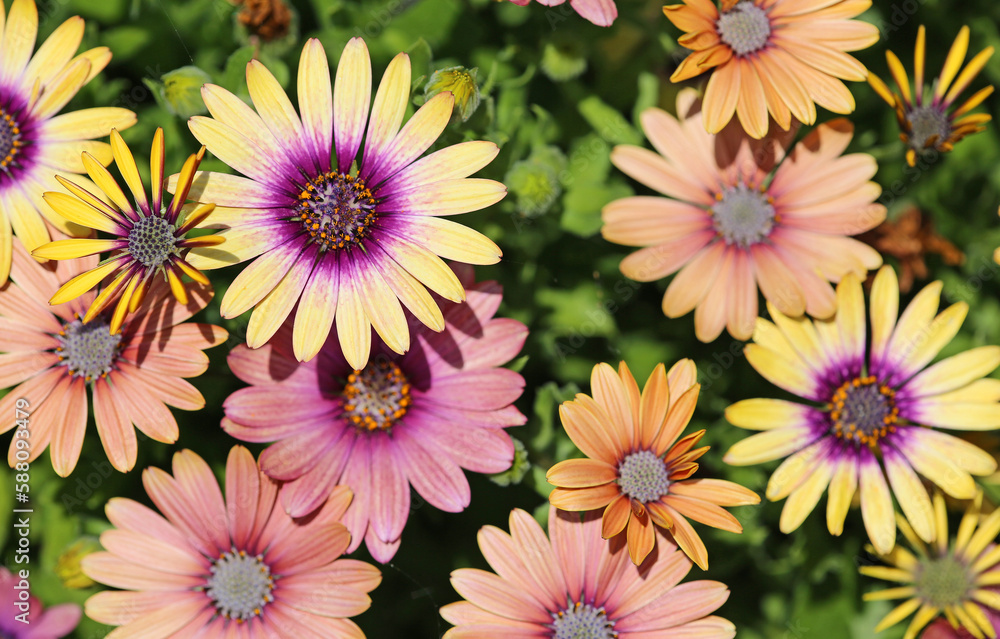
[(240, 586), (643, 476), (336, 210), (863, 411), (745, 28), (582, 621), (151, 240), (88, 350), (943, 582), (10, 140), (376, 397), (742, 215), (927, 122)]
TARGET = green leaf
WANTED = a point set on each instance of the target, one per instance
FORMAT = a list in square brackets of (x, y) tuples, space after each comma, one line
[(608, 122)]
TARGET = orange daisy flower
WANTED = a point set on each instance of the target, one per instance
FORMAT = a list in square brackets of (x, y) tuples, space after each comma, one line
[(781, 57), (637, 469), (923, 116)]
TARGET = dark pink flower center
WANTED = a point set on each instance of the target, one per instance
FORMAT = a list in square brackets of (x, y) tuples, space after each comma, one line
[(582, 621), (863, 411), (336, 210), (10, 140), (88, 350), (377, 397), (240, 585)]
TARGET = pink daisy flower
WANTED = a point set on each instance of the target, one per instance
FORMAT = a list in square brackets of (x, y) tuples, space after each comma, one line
[(600, 12), (52, 358), (739, 215), (236, 566), (416, 419), (38, 623), (575, 584)]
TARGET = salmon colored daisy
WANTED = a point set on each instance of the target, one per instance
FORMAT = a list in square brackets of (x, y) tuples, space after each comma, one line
[(923, 115), (149, 236), (636, 469), (777, 57), (345, 245), (600, 12), (35, 143), (52, 358), (26, 619), (412, 420), (739, 215), (876, 412), (233, 566), (575, 584), (941, 578)]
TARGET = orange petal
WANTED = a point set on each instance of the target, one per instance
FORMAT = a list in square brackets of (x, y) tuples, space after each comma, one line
[(577, 499), (581, 473)]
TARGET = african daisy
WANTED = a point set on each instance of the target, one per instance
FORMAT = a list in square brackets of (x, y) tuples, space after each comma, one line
[(346, 245), (923, 116), (411, 420), (600, 12), (233, 566), (35, 143), (739, 215), (636, 469), (777, 57), (150, 236), (575, 584), (876, 412), (52, 358), (953, 579), (38, 622)]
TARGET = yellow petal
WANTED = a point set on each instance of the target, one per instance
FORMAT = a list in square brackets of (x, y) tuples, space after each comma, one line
[(876, 506), (452, 241), (769, 445), (911, 495), (384, 311), (390, 105), (956, 55), (780, 371), (842, 487), (274, 308), (70, 249), (129, 171), (87, 124), (75, 210), (274, 106), (899, 75), (353, 328), (884, 309), (766, 414), (803, 500), (83, 283), (103, 179)]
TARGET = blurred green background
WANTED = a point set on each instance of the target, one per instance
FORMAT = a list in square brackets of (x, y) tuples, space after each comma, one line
[(556, 94)]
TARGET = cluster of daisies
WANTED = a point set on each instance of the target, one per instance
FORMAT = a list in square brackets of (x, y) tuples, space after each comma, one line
[(395, 358)]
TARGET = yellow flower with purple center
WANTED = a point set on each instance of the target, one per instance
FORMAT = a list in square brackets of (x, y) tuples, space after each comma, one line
[(35, 143), (350, 242), (876, 413), (958, 580), (923, 114), (150, 237)]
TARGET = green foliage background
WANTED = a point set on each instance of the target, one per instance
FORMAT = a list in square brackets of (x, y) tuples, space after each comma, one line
[(560, 277)]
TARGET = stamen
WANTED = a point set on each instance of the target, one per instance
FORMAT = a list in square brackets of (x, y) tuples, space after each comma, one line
[(376, 397), (863, 411), (240, 585), (10, 140), (336, 210), (643, 476), (745, 28), (152, 241), (743, 215), (582, 621), (88, 350), (943, 581), (929, 126)]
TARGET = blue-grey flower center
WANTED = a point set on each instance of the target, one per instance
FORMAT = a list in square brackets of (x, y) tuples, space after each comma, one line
[(929, 126), (377, 397), (643, 476), (745, 28), (743, 215), (336, 210), (10, 140), (943, 581), (240, 585), (863, 411), (582, 621), (88, 350), (152, 241)]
